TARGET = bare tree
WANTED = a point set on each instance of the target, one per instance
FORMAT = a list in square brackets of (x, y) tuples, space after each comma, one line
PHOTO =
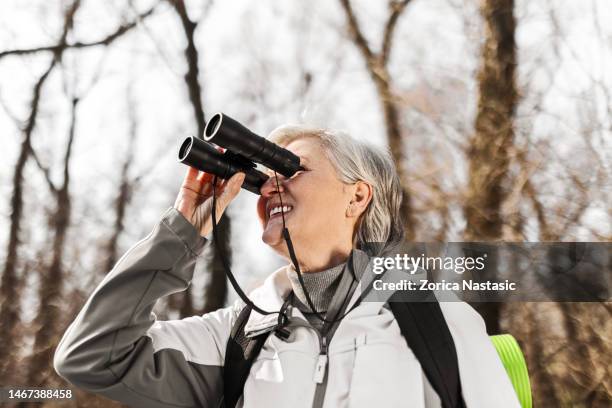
[(48, 318), (559, 193), (492, 143), (10, 308), (377, 64), (217, 284)]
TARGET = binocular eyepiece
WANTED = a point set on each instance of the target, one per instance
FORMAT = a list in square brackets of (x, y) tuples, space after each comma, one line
[(243, 150)]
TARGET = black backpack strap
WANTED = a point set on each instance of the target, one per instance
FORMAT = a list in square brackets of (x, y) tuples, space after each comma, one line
[(240, 354), (423, 326)]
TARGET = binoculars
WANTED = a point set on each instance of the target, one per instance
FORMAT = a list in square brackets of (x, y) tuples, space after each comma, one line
[(244, 149)]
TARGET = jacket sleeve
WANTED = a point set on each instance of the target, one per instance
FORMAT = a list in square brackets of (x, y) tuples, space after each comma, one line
[(117, 348)]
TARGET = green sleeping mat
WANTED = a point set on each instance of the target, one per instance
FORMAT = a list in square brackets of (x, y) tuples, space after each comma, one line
[(514, 362)]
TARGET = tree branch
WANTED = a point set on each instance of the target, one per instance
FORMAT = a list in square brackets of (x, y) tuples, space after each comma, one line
[(355, 31), (63, 45), (191, 55), (397, 8), (45, 170)]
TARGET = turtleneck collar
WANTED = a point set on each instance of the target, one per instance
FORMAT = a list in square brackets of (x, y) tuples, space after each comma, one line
[(321, 286)]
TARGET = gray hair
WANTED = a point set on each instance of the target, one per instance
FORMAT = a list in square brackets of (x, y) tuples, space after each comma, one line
[(356, 161)]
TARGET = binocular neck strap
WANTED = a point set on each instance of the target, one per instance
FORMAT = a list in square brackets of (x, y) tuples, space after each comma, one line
[(224, 262)]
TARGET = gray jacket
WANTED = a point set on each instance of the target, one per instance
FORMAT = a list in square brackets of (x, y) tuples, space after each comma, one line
[(117, 348)]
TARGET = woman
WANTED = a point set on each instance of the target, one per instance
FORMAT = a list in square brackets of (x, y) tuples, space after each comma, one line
[(347, 195)]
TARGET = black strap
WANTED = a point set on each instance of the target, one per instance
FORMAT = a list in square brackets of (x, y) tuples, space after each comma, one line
[(423, 326), (240, 354)]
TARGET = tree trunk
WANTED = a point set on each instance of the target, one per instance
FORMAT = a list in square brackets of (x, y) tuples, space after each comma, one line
[(218, 290), (397, 146), (121, 203), (376, 65), (544, 389), (9, 311), (48, 319), (489, 152), (50, 309)]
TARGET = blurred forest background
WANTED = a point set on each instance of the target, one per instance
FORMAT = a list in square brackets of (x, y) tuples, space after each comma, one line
[(498, 114)]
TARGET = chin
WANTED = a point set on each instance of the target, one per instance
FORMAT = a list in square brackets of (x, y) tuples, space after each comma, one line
[(272, 237)]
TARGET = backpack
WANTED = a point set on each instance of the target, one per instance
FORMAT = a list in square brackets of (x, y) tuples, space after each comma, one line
[(421, 323)]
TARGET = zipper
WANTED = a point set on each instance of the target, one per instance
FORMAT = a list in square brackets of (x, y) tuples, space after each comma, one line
[(320, 372), (320, 377), (321, 367)]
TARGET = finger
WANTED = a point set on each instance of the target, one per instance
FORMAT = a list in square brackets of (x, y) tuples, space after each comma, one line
[(205, 177), (231, 188), (207, 188), (191, 187), (191, 175), (204, 181), (188, 192), (221, 184)]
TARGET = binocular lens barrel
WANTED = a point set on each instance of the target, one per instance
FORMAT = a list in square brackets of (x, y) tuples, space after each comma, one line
[(230, 134), (196, 153)]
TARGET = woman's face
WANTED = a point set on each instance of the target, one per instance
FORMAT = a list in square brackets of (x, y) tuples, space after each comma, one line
[(316, 203)]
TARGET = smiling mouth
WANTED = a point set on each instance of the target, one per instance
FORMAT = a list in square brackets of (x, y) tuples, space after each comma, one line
[(276, 210)]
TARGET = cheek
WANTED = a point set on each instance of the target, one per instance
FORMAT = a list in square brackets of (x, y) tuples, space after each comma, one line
[(325, 210), (322, 201)]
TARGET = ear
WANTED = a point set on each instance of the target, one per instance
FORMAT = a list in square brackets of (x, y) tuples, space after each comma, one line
[(361, 197)]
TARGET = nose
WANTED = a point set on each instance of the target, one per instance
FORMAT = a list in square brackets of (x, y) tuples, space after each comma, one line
[(270, 188)]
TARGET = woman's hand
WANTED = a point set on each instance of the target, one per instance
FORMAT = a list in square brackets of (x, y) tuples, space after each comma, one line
[(194, 200)]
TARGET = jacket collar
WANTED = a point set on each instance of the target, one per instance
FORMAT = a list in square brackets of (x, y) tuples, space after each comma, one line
[(271, 294)]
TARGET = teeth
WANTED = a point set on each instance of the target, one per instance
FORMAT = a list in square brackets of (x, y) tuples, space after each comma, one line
[(276, 210)]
